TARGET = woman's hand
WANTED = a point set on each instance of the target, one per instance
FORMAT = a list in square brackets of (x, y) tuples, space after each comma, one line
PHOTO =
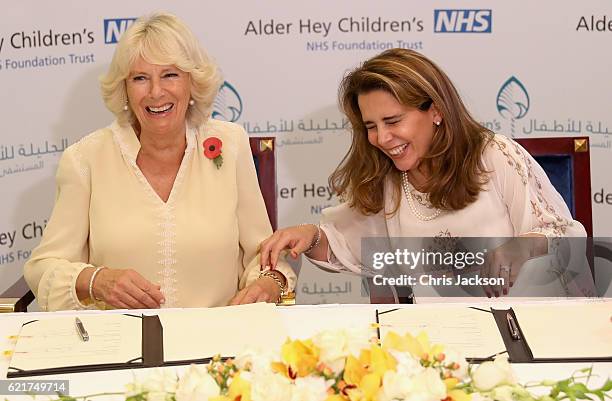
[(126, 289), (264, 289), (506, 261), (297, 239)]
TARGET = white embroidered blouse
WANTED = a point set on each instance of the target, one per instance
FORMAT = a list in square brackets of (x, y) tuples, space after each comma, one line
[(200, 246), (518, 199)]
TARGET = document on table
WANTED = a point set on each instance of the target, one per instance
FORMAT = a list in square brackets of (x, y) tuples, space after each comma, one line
[(203, 333), (56, 343), (572, 331), (472, 332)]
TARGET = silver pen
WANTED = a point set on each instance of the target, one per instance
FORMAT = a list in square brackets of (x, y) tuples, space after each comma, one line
[(512, 326), (81, 329)]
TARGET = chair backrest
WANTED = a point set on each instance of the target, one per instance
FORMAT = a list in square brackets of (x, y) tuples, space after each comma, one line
[(567, 163), (263, 150), (18, 296)]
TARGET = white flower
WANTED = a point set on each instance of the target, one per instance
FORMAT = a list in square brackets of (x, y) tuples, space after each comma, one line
[(256, 361), (489, 374), (196, 385), (335, 345), (309, 389), (395, 385), (423, 386), (267, 386), (406, 363), (158, 384), (454, 356)]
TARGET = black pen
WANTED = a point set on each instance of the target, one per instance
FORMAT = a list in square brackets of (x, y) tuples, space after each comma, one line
[(81, 329), (514, 331)]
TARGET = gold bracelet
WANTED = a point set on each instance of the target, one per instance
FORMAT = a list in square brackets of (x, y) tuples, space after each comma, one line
[(277, 280)]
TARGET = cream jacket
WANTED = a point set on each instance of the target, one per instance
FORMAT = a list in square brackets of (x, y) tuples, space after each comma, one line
[(200, 246)]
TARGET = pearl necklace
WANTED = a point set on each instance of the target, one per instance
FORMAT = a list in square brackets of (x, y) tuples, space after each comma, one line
[(408, 194)]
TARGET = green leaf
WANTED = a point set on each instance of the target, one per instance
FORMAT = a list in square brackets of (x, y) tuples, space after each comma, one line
[(218, 161), (137, 397)]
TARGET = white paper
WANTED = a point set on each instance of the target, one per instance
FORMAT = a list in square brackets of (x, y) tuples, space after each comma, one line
[(569, 331), (227, 331), (471, 332), (55, 343)]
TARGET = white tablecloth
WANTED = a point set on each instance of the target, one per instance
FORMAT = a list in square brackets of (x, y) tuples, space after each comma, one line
[(299, 321)]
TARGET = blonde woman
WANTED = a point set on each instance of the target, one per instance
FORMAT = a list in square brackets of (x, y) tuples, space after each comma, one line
[(162, 207)]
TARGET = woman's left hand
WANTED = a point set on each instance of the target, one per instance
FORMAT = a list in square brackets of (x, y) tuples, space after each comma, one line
[(264, 289), (506, 261)]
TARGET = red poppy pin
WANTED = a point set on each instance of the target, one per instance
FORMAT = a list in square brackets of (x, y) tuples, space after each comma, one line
[(212, 150)]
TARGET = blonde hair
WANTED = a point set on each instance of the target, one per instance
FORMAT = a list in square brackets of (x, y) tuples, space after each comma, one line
[(162, 39), (454, 158)]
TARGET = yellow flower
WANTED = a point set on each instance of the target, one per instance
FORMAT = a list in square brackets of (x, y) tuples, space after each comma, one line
[(381, 361), (453, 393), (458, 395), (364, 375), (354, 370), (239, 389), (220, 398), (369, 385), (451, 383), (301, 357)]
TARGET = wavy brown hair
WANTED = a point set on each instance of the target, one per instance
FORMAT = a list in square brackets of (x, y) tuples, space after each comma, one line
[(454, 158)]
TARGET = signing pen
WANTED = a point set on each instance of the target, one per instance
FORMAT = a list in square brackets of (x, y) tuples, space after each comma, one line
[(81, 329), (512, 326)]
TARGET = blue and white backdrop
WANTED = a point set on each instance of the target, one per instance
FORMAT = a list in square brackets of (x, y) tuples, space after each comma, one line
[(282, 63)]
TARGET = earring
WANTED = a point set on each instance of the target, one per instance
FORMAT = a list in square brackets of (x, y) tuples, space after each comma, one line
[(438, 123), (125, 107), (191, 102)]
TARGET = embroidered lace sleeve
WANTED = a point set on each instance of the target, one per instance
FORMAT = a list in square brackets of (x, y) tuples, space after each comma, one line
[(534, 206)]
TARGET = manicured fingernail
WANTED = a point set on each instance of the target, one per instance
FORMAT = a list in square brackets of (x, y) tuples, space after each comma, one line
[(497, 293), (505, 291)]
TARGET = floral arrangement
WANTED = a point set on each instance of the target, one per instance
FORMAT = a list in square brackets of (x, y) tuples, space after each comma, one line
[(347, 365)]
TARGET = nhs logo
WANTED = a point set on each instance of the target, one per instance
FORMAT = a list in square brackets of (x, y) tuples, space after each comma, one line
[(463, 21), (114, 28)]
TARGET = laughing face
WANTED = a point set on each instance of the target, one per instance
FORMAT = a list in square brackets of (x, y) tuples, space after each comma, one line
[(159, 96), (403, 133)]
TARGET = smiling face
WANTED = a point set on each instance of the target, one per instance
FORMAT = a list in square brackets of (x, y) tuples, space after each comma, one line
[(158, 96), (403, 133)]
